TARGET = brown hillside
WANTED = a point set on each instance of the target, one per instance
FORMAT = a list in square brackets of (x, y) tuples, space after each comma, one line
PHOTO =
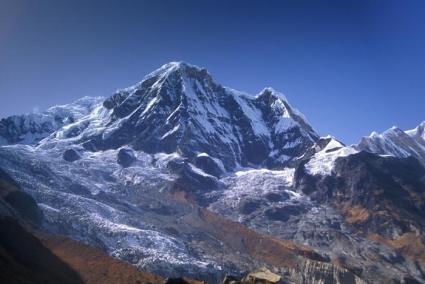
[(261, 247), (94, 266)]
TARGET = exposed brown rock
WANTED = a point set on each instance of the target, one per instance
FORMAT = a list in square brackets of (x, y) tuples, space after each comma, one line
[(356, 214), (94, 266), (410, 245), (261, 247), (263, 276), (24, 259)]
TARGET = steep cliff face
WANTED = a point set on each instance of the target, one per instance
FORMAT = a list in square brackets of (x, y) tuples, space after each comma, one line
[(381, 199), (375, 192)]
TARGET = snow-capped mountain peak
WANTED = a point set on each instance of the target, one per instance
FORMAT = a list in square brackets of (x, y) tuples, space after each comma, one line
[(396, 142), (180, 108), (176, 66)]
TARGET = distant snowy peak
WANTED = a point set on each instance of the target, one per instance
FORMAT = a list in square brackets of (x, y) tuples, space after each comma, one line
[(396, 142), (417, 133), (31, 128)]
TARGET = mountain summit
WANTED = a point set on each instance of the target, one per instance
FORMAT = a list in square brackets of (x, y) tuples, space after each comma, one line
[(180, 108)]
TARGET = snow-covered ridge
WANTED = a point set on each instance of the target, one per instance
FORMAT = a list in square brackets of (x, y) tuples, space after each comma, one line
[(396, 142), (418, 132), (323, 161), (31, 128)]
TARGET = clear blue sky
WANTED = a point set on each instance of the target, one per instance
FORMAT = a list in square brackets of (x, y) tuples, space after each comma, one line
[(350, 66)]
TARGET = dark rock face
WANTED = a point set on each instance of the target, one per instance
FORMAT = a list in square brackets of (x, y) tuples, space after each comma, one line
[(386, 184), (275, 197), (25, 205), (125, 157), (175, 281), (382, 199), (392, 185), (208, 165), (71, 155), (24, 259), (79, 190), (250, 206), (284, 213), (194, 183), (20, 201), (7, 183)]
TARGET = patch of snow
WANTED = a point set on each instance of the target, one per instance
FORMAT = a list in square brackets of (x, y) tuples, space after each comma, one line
[(285, 121), (285, 175), (253, 114), (323, 162), (253, 184), (333, 144), (162, 159), (199, 171), (175, 129)]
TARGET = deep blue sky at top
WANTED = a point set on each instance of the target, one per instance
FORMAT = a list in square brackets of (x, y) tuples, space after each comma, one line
[(350, 66)]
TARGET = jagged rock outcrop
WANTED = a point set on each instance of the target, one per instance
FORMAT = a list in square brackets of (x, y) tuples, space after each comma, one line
[(71, 155), (125, 157), (209, 165)]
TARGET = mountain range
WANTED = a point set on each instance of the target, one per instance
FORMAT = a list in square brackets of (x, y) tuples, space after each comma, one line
[(181, 176)]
